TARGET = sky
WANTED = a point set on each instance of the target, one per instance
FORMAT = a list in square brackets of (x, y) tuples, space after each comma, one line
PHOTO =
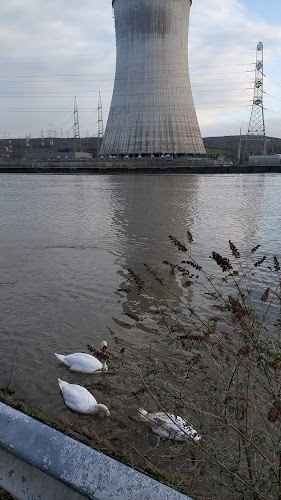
[(52, 51)]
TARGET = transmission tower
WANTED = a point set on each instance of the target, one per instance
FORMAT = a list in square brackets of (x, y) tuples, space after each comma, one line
[(100, 122), (51, 138), (256, 124), (28, 142), (42, 139), (256, 129), (76, 127), (9, 148), (100, 118)]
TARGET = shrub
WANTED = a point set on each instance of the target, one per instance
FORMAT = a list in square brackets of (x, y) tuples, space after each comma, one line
[(223, 371)]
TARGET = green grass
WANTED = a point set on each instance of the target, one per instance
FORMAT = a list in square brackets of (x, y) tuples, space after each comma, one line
[(223, 152), (4, 495)]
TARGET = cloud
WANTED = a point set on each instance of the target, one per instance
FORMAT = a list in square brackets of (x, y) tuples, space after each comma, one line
[(40, 40), (224, 36), (52, 51)]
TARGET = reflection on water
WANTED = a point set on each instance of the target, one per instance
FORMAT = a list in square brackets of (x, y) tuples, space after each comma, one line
[(147, 213), (66, 243)]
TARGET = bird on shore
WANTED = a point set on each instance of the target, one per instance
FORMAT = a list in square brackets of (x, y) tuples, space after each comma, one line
[(169, 426), (83, 362), (79, 399)]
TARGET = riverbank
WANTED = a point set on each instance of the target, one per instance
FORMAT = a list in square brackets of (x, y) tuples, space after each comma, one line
[(63, 435), (181, 166)]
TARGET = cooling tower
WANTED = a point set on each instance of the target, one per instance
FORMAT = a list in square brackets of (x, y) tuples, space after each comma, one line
[(152, 109)]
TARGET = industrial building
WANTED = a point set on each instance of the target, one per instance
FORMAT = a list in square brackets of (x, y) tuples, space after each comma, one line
[(265, 160), (56, 156), (152, 110)]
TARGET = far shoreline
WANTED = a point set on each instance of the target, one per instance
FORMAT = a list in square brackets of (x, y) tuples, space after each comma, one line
[(143, 166)]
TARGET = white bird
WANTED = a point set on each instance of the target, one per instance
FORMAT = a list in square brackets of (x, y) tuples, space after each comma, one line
[(82, 362), (79, 399), (169, 426)]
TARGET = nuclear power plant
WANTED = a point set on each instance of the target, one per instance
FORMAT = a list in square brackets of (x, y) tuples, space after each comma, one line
[(152, 110)]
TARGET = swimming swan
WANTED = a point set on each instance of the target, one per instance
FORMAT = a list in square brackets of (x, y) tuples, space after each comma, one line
[(82, 362), (169, 426), (77, 398)]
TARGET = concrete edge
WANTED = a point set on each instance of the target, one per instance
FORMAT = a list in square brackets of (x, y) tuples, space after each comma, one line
[(78, 466), (25, 482)]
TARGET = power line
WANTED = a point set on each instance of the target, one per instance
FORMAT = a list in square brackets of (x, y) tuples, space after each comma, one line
[(89, 96), (88, 109), (223, 66), (103, 74), (223, 107), (272, 81), (105, 79), (45, 109), (271, 111), (68, 93), (53, 81), (28, 110), (226, 102), (228, 83), (55, 76), (270, 95), (54, 92), (66, 121)]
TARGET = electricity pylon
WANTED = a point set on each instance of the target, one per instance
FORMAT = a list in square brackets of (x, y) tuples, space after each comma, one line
[(256, 129)]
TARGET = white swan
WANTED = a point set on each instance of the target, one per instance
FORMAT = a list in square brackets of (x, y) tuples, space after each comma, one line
[(77, 398), (82, 362), (169, 426)]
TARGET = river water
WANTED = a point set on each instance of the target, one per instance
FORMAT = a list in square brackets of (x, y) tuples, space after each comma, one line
[(66, 243)]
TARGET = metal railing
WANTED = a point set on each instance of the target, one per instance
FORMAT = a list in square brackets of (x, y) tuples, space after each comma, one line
[(37, 461)]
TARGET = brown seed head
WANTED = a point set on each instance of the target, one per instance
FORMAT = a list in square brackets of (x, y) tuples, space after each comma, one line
[(223, 262), (225, 335), (276, 264), (239, 396), (190, 237), (211, 330), (260, 262), (275, 365), (192, 264), (274, 412), (187, 283), (264, 298), (255, 249), (178, 244), (234, 250), (182, 270), (236, 307), (244, 351)]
